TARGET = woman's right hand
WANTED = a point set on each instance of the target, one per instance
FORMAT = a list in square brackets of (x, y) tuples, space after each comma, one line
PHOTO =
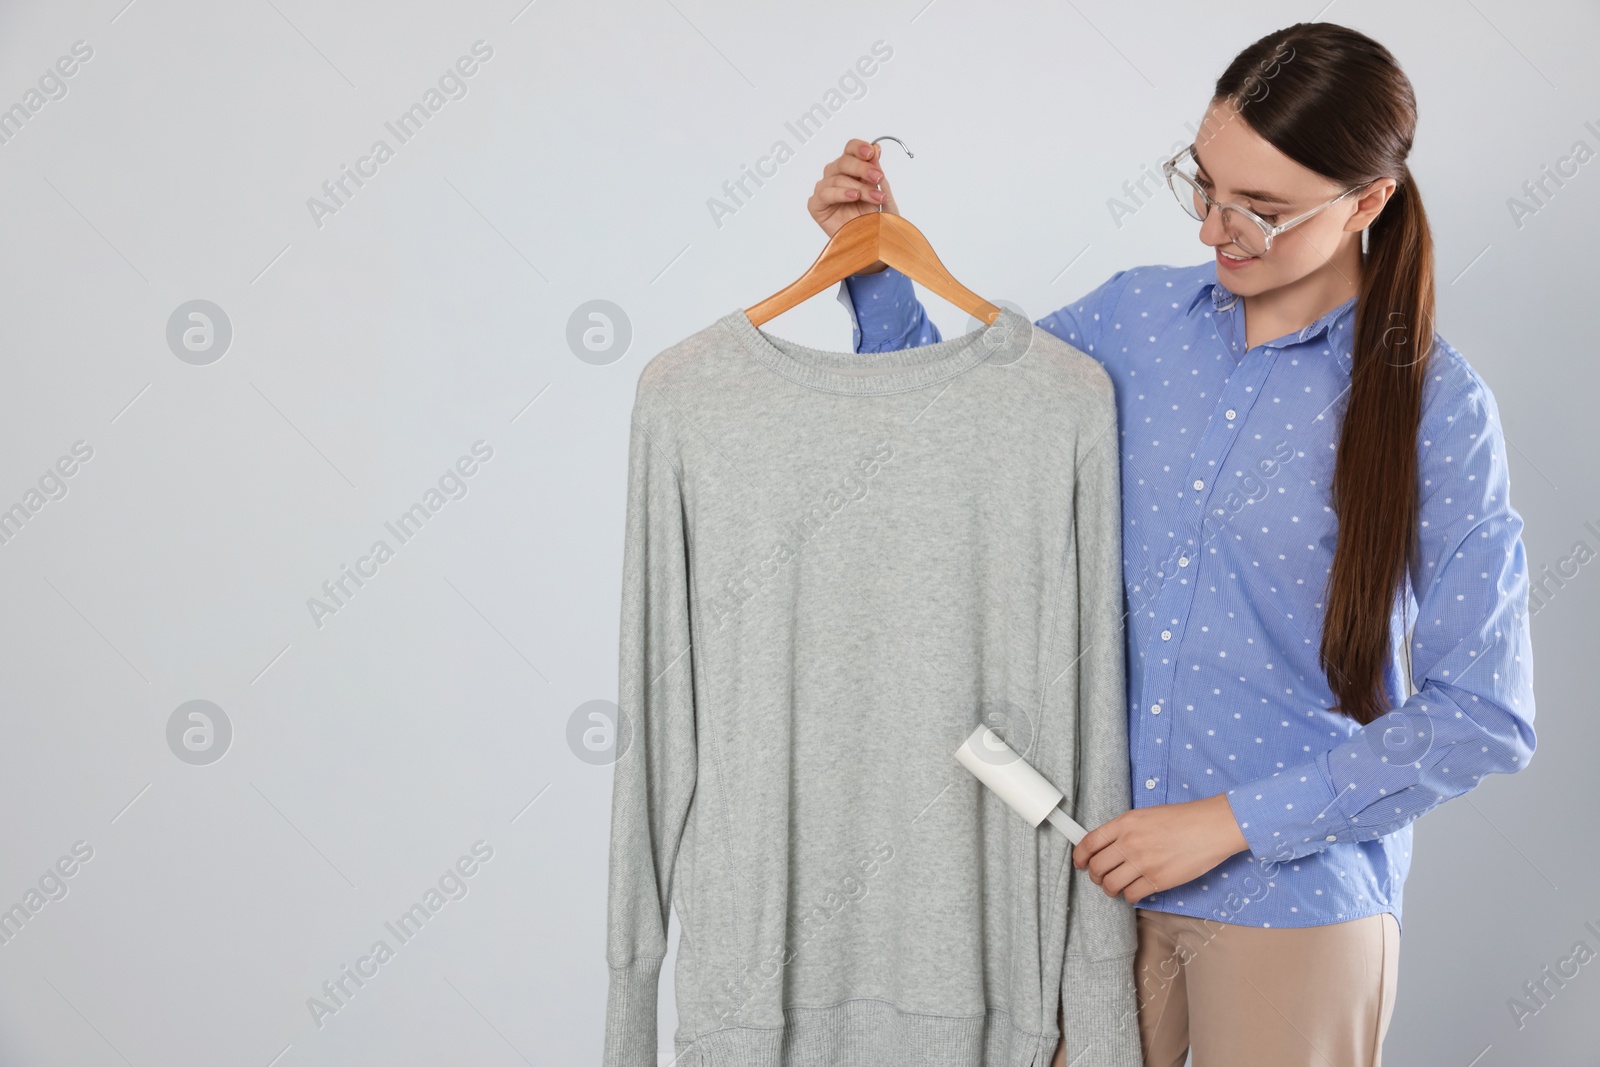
[(850, 186)]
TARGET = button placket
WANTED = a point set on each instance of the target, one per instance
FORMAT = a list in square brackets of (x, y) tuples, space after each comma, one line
[(1174, 599)]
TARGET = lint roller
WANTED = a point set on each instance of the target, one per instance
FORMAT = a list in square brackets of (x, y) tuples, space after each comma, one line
[(1026, 791)]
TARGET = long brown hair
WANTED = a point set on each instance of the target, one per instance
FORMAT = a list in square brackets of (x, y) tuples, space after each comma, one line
[(1336, 102)]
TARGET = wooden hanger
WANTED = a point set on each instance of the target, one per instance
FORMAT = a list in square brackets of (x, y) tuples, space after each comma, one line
[(867, 239)]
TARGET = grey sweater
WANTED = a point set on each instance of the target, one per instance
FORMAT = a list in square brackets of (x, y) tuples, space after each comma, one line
[(836, 565)]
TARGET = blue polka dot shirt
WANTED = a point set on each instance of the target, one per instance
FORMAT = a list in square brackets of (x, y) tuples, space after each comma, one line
[(1228, 535)]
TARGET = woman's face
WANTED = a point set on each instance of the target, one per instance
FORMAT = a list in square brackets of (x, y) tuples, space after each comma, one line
[(1238, 166)]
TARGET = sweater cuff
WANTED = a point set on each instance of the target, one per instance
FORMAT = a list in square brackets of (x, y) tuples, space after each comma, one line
[(1100, 1012), (631, 1014)]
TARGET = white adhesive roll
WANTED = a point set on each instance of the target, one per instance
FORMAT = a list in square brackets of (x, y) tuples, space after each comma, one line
[(1025, 790)]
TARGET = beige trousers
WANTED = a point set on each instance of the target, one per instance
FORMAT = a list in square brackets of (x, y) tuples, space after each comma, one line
[(1249, 996)]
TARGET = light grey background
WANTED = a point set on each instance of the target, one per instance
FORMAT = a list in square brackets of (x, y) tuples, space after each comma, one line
[(369, 353)]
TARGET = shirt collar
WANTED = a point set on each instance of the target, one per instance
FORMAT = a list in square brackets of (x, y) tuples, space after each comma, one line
[(1337, 321)]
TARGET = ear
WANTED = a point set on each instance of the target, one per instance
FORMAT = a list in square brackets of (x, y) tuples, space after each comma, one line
[(1370, 203)]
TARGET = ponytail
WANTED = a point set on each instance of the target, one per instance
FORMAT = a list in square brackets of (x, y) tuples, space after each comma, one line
[(1375, 473)]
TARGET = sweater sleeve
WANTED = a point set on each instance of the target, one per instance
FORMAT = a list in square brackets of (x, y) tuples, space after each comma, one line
[(654, 773), (1098, 994)]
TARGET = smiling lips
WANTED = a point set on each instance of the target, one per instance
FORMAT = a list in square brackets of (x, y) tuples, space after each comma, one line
[(1233, 262)]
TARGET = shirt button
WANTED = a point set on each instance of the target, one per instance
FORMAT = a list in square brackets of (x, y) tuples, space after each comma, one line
[(1230, 413), (1149, 783), (1183, 561), (1166, 635), (1198, 484), (1155, 709)]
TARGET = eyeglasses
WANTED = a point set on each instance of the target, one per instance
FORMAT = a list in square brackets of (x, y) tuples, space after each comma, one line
[(1248, 230)]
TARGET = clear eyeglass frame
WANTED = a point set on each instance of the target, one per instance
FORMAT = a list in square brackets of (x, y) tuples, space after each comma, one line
[(1255, 239)]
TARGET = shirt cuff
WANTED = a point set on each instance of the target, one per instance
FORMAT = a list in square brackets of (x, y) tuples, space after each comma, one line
[(1291, 814)]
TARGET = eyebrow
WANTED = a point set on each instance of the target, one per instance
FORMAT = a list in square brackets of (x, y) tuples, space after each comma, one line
[(1253, 194)]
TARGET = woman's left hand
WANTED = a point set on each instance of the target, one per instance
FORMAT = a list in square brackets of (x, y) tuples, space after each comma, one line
[(1165, 845)]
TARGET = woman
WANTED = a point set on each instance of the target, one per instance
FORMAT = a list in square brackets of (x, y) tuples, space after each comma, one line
[(1306, 468)]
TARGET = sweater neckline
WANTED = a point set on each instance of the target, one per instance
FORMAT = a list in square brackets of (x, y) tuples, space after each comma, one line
[(1001, 342)]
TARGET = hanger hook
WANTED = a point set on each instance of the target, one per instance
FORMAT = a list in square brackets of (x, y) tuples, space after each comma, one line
[(898, 141)]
